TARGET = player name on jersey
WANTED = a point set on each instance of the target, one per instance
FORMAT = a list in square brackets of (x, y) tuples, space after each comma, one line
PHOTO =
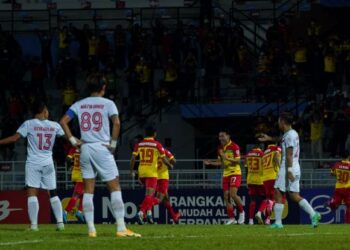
[(44, 129), (92, 106)]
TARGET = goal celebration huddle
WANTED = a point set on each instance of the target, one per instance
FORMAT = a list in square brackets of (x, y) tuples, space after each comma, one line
[(272, 168)]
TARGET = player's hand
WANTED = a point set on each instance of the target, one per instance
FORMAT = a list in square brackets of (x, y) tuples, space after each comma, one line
[(140, 182), (224, 157), (110, 148), (264, 138), (291, 176), (206, 162), (75, 142), (132, 174)]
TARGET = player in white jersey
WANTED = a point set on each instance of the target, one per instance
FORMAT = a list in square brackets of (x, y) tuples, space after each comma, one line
[(97, 147), (289, 174), (39, 168)]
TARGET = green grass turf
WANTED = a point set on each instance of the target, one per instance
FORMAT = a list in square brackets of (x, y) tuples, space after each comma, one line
[(212, 237)]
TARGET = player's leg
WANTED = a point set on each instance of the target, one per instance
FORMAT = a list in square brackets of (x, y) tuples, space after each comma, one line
[(175, 216), (278, 208), (33, 207), (235, 183), (269, 191), (88, 205), (79, 191), (229, 208), (294, 190), (263, 204), (32, 181), (227, 199), (56, 206), (149, 201), (118, 208), (162, 195), (72, 201), (280, 189), (252, 207), (335, 201), (48, 182), (252, 204)]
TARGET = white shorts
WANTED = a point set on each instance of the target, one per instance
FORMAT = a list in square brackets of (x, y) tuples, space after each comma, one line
[(283, 184), (41, 177), (97, 159)]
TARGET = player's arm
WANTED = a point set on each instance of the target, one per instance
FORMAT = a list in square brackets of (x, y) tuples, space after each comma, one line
[(216, 163), (231, 159), (333, 172), (277, 160), (69, 161), (267, 138), (167, 162), (11, 139), (132, 165), (115, 133), (289, 158), (64, 124), (235, 159)]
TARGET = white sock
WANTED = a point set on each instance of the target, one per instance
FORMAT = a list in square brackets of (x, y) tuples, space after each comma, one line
[(57, 209), (278, 213), (33, 210), (118, 209), (307, 207), (88, 208)]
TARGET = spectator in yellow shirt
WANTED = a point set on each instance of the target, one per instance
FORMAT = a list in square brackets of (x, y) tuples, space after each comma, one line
[(68, 96), (316, 132), (330, 67), (144, 80), (300, 57)]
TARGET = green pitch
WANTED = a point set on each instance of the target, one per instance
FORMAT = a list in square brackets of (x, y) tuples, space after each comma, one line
[(212, 237)]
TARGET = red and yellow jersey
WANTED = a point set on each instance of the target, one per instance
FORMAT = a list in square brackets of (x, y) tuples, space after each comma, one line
[(163, 170), (150, 151), (342, 171), (253, 163), (74, 156), (231, 150), (270, 167)]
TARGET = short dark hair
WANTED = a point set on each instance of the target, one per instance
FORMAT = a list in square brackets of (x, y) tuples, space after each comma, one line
[(38, 107), (287, 117), (225, 130), (95, 82), (150, 130)]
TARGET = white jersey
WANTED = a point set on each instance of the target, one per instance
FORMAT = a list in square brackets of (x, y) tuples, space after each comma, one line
[(41, 135), (291, 140), (93, 115)]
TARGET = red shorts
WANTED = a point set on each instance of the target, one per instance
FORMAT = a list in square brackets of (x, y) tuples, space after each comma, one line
[(149, 182), (162, 186), (256, 190), (341, 195), (231, 181), (79, 188), (270, 189)]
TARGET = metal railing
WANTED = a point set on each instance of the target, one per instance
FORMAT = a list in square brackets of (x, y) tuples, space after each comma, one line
[(187, 174)]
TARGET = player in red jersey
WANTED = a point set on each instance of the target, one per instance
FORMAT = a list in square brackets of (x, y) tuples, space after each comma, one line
[(271, 165), (254, 165), (150, 152), (163, 185), (229, 158), (341, 170), (73, 161)]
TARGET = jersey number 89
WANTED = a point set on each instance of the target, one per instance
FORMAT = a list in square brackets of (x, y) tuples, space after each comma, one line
[(89, 121)]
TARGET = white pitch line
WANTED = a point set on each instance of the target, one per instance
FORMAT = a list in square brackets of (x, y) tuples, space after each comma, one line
[(19, 242)]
